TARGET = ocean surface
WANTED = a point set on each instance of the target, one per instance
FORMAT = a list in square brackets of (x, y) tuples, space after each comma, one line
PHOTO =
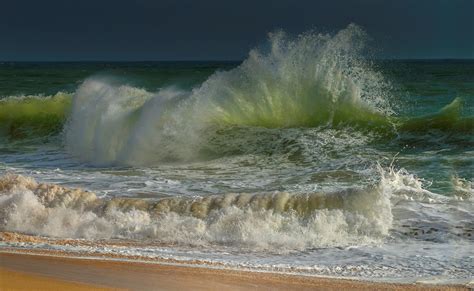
[(307, 157)]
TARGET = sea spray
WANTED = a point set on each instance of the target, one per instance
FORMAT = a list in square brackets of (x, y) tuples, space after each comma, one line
[(307, 81)]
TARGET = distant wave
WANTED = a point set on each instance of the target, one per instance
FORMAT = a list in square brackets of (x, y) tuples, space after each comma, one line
[(447, 119), (33, 116)]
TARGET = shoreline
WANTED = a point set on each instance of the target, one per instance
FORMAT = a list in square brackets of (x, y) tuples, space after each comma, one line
[(101, 272)]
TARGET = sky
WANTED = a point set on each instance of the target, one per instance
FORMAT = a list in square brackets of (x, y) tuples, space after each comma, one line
[(139, 30)]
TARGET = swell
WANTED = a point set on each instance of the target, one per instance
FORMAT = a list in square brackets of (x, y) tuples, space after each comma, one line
[(449, 118), (33, 116)]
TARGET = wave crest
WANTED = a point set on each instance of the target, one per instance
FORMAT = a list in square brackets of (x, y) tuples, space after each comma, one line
[(257, 221), (307, 81)]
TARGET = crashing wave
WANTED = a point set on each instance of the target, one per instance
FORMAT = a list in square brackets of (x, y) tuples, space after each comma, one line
[(308, 81), (312, 81), (257, 221)]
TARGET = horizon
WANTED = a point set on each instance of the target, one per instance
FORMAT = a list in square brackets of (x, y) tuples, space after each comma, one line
[(208, 60)]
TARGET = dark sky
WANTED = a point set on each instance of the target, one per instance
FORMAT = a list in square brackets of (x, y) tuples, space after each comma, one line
[(223, 30)]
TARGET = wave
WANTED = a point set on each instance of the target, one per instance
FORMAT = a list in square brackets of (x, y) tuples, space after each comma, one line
[(396, 206), (311, 81), (447, 119), (275, 221), (33, 116), (37, 115)]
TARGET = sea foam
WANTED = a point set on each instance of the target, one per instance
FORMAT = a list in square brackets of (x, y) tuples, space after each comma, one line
[(272, 221)]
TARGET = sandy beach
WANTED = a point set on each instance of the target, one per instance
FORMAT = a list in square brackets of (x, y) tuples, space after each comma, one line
[(43, 272)]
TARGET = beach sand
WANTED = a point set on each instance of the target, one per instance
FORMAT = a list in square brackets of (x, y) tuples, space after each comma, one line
[(44, 272), (13, 280)]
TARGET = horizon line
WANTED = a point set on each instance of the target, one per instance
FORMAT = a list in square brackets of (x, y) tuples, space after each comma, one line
[(208, 60)]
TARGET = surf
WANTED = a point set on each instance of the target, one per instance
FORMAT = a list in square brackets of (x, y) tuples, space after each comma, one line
[(306, 81), (32, 116), (314, 80), (289, 221)]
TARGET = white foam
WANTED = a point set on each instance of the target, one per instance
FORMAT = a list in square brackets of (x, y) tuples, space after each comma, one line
[(262, 223)]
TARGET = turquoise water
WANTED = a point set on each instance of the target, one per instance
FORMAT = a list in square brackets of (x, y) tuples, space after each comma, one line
[(309, 157)]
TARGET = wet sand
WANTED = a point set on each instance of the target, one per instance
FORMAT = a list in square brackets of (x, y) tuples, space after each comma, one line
[(12, 280), (41, 272)]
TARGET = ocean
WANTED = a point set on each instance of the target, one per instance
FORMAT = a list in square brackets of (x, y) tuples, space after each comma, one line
[(307, 157)]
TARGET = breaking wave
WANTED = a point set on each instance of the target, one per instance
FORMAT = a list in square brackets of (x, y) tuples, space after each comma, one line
[(311, 81), (276, 221), (308, 81), (256, 221)]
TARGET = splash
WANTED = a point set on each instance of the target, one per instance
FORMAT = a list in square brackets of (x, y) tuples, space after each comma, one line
[(463, 188), (308, 81), (317, 81)]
